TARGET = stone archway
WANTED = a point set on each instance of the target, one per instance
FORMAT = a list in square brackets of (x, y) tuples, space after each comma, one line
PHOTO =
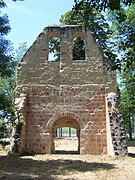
[(64, 119), (65, 122), (61, 115)]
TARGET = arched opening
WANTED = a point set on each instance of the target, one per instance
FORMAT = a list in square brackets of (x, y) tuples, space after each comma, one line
[(66, 136), (54, 49), (78, 48)]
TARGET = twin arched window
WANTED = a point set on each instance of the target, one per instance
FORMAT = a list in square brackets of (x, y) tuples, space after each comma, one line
[(78, 49)]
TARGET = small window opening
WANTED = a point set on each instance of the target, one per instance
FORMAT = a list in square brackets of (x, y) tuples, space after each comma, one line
[(54, 49), (78, 48)]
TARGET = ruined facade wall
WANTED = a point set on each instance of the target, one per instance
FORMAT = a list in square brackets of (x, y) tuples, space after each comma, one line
[(72, 87)]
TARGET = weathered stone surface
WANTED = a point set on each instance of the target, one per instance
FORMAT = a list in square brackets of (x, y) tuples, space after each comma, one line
[(65, 92), (115, 130)]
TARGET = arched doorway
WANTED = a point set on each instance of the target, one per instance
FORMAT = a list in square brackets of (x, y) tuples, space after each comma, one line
[(65, 136)]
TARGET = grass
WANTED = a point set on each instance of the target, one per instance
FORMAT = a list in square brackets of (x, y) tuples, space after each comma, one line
[(67, 167)]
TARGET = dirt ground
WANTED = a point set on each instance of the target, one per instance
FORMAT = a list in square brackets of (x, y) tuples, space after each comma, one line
[(67, 167)]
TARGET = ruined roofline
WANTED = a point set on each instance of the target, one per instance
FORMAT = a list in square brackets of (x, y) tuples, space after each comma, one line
[(62, 26), (72, 26), (50, 27)]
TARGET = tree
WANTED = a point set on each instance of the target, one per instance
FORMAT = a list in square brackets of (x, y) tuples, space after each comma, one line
[(78, 49), (20, 51), (105, 4), (121, 40), (124, 36), (5, 46), (127, 86), (126, 27), (7, 74), (129, 42), (95, 20), (7, 86), (124, 42)]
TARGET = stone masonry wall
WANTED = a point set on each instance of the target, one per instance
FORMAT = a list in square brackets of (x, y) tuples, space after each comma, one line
[(116, 132), (64, 89)]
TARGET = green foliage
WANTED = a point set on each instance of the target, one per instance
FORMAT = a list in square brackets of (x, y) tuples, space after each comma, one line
[(127, 86), (131, 15), (128, 89), (54, 49), (78, 49), (6, 106), (113, 25), (4, 129), (7, 75), (5, 47), (95, 20), (2, 4), (122, 32), (124, 35), (106, 4), (20, 51), (6, 91), (7, 85)]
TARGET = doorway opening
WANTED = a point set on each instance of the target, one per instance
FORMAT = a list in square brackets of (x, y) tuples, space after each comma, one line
[(66, 140), (66, 136)]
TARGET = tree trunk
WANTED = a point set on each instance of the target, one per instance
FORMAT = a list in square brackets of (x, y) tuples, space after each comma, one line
[(134, 123), (130, 126)]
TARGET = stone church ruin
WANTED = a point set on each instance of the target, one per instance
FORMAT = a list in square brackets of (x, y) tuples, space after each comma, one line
[(68, 92)]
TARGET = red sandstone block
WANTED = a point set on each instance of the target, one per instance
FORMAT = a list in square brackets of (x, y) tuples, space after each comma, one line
[(44, 49), (63, 53), (72, 89), (61, 93), (46, 93), (34, 93), (38, 140), (88, 101), (61, 100), (103, 115), (97, 96), (97, 104), (28, 112), (102, 89), (98, 93), (97, 115), (104, 144), (104, 124)]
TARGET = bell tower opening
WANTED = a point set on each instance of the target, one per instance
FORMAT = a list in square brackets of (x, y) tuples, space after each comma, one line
[(54, 49)]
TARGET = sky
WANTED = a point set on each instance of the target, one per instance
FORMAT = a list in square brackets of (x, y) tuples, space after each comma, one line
[(29, 17)]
